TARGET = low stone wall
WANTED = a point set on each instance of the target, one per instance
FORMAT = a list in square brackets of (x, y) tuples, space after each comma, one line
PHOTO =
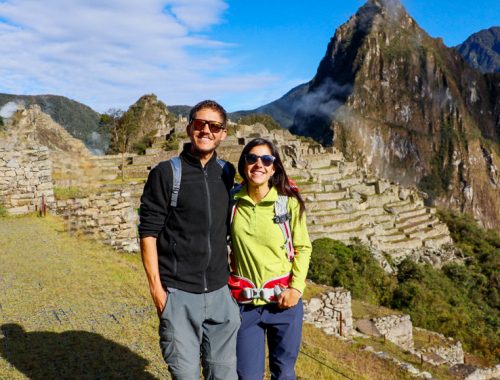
[(452, 354), (468, 372), (328, 311), (397, 329), (109, 217), (25, 178)]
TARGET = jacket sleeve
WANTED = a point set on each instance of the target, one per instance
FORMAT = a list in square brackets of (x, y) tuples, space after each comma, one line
[(301, 244), (154, 202)]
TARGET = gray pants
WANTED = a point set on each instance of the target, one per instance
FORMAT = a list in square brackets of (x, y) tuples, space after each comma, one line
[(192, 324)]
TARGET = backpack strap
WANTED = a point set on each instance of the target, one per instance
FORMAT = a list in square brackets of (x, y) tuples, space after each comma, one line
[(227, 173), (175, 162), (221, 163), (282, 218)]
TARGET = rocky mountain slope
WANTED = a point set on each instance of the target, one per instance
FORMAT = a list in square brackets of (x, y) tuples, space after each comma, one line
[(407, 107), (71, 160), (78, 119), (482, 50)]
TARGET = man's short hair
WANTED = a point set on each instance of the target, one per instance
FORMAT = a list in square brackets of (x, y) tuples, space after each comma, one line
[(211, 104)]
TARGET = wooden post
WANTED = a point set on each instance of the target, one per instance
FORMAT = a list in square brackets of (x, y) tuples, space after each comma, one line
[(44, 206), (340, 320), (340, 323)]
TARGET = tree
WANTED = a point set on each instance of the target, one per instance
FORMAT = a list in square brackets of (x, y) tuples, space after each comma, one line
[(1, 122), (121, 128)]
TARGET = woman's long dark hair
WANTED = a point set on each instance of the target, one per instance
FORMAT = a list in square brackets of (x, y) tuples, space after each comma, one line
[(279, 179)]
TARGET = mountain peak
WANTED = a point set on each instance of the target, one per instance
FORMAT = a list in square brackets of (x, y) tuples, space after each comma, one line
[(386, 3)]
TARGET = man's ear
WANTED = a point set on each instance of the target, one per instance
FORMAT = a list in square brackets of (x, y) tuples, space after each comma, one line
[(223, 134)]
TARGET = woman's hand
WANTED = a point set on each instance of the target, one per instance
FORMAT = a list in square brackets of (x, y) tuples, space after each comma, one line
[(289, 298)]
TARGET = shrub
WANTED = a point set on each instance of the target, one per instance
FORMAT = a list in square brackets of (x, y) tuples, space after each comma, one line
[(353, 267), (461, 301), (144, 143)]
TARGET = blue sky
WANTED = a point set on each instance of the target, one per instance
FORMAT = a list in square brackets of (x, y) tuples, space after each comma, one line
[(242, 53)]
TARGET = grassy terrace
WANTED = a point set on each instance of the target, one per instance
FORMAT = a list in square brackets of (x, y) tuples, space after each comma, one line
[(73, 308)]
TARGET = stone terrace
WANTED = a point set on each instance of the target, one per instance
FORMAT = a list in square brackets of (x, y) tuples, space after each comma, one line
[(344, 201)]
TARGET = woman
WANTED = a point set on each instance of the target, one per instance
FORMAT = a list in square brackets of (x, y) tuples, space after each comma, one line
[(269, 271)]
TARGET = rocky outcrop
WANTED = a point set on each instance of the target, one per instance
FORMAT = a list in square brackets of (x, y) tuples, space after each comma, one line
[(145, 120)]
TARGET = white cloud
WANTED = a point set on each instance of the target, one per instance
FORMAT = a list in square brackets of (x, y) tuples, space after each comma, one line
[(8, 109), (107, 54)]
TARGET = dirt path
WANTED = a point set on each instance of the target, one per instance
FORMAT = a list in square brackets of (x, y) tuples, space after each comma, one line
[(71, 308)]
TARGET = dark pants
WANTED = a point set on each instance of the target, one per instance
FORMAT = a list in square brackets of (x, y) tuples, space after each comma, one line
[(283, 329)]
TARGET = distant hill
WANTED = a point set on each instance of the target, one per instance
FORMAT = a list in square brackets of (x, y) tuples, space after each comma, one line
[(283, 109), (180, 110), (78, 119), (482, 50)]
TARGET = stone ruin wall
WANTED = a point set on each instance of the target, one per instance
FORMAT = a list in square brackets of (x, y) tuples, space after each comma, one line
[(110, 217), (469, 372), (332, 307), (25, 179), (397, 329), (331, 312)]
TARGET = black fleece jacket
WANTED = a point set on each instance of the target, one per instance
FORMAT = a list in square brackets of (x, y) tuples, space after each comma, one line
[(191, 238)]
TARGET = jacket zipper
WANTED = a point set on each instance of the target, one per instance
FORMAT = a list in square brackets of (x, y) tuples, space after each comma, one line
[(205, 172)]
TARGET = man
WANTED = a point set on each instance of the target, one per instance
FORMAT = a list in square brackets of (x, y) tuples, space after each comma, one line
[(185, 256)]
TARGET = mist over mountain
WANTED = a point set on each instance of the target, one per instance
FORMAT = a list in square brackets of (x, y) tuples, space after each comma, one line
[(482, 50)]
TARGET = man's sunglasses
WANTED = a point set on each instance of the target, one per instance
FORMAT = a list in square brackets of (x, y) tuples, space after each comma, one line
[(214, 126), (267, 159)]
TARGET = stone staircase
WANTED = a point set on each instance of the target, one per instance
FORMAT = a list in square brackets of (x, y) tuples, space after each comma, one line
[(344, 201)]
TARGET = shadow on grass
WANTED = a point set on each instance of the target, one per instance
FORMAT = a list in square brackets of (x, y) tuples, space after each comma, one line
[(69, 355)]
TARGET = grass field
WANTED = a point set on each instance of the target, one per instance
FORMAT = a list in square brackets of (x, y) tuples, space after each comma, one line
[(72, 308)]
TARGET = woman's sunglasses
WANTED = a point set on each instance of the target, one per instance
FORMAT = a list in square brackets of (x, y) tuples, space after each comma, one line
[(214, 126), (267, 159)]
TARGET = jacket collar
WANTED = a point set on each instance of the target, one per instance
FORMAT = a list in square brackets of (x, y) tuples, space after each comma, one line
[(271, 196), (193, 159)]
